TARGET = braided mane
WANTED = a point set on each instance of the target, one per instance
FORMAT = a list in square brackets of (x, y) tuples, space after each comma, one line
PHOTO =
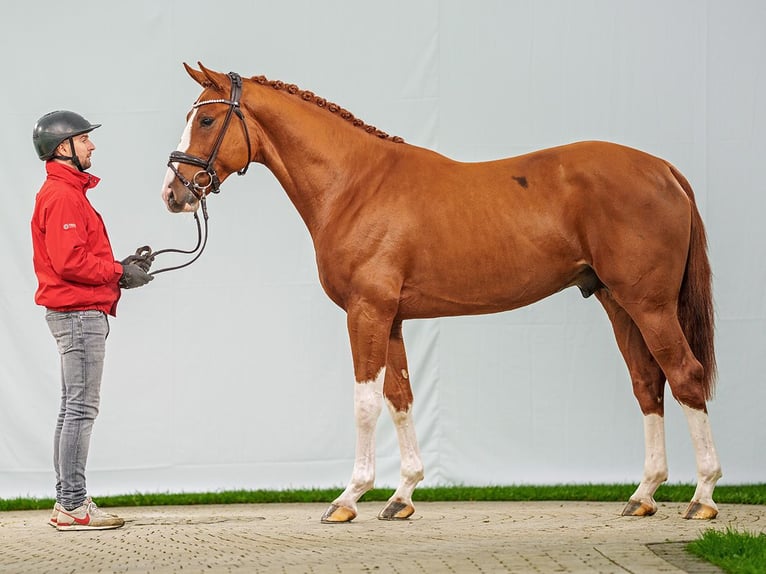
[(311, 97)]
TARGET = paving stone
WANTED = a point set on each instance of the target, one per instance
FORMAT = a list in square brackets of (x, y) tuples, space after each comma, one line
[(459, 537)]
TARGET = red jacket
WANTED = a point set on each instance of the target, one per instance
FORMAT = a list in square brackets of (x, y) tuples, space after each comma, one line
[(75, 267)]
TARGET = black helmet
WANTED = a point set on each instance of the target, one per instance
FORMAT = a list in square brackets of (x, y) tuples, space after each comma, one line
[(55, 127)]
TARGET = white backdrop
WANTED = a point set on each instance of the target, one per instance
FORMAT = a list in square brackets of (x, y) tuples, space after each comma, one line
[(203, 389)]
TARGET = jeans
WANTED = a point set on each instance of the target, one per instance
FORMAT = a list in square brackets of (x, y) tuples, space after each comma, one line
[(81, 340)]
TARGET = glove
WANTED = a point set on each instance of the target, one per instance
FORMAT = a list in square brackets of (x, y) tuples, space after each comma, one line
[(143, 258), (134, 276)]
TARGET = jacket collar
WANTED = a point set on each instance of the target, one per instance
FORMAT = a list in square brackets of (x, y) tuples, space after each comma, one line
[(79, 179)]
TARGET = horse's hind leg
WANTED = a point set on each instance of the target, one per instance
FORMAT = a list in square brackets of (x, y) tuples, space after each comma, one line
[(702, 505), (648, 387), (666, 341), (398, 394)]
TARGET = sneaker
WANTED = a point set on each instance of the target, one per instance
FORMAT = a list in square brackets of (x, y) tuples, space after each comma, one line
[(87, 517), (54, 519)]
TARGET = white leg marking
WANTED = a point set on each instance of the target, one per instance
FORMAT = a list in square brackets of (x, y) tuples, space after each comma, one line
[(655, 459), (182, 146), (368, 402), (708, 466), (411, 463)]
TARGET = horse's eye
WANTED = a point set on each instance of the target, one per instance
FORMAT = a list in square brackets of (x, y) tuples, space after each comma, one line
[(206, 122)]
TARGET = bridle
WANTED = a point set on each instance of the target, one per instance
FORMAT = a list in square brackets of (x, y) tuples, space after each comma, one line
[(199, 191), (213, 182)]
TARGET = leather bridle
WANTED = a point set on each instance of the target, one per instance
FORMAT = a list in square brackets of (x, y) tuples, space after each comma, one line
[(213, 182)]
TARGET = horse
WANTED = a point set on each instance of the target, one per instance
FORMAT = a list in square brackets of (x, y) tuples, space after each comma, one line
[(402, 232)]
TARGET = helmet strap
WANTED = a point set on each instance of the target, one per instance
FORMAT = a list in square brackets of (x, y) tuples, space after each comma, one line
[(73, 158)]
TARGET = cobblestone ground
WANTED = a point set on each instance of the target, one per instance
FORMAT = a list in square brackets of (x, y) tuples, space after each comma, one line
[(459, 537)]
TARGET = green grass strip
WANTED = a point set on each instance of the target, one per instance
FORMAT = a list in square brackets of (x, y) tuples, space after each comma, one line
[(733, 551), (732, 494)]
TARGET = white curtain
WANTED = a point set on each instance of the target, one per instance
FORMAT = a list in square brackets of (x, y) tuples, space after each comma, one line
[(236, 372)]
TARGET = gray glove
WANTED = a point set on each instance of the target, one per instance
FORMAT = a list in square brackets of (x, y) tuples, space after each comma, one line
[(134, 276), (143, 258)]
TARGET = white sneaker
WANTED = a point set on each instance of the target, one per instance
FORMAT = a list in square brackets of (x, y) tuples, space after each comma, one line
[(86, 517), (54, 519)]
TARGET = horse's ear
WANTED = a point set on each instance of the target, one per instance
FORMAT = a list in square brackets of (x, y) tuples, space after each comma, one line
[(215, 79), (197, 76), (205, 77)]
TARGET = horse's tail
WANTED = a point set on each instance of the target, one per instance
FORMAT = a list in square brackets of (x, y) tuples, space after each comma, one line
[(695, 301)]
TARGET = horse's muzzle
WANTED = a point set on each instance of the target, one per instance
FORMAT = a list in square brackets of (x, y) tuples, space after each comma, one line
[(190, 203)]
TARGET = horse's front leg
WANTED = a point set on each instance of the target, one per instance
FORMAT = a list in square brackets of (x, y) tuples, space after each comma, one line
[(368, 402), (398, 394), (369, 326)]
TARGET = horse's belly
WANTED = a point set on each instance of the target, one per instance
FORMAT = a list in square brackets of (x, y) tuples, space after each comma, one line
[(467, 293)]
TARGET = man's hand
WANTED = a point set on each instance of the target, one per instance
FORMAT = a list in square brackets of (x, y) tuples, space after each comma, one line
[(143, 258), (133, 275)]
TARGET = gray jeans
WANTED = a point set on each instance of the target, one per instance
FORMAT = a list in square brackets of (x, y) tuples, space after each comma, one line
[(81, 340)]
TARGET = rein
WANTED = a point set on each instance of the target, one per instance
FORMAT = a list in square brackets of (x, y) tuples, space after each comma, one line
[(146, 254), (194, 185)]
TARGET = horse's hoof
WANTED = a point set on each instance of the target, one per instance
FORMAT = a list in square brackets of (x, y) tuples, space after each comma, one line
[(396, 510), (336, 514), (639, 508), (700, 511)]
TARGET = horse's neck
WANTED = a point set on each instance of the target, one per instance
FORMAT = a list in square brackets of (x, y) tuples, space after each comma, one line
[(317, 157)]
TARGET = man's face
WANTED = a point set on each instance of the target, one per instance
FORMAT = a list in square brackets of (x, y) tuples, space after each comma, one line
[(83, 147)]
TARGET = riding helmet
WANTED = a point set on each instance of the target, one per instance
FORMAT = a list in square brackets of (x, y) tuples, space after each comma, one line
[(55, 127)]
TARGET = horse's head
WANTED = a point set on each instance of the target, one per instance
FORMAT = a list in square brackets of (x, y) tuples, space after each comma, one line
[(211, 147)]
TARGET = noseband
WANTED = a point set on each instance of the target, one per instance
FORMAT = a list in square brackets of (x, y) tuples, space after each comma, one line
[(213, 182)]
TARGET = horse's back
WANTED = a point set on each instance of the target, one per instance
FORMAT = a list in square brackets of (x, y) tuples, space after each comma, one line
[(565, 196), (581, 175)]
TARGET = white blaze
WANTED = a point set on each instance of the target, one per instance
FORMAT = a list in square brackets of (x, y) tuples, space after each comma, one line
[(183, 146)]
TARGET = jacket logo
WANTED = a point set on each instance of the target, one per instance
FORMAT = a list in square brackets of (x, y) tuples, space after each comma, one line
[(70, 225)]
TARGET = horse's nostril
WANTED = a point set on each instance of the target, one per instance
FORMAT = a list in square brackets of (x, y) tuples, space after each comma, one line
[(173, 205)]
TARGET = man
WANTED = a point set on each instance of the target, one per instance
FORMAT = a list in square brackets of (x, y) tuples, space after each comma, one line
[(79, 284)]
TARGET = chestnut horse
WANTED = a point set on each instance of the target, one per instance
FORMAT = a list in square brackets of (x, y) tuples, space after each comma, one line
[(401, 232)]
